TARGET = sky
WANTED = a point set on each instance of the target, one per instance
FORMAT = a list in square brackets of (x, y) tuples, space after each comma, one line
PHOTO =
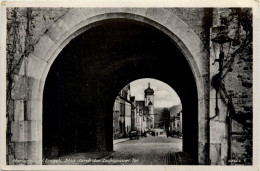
[(164, 95)]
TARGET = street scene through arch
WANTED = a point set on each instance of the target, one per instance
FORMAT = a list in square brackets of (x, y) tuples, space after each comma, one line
[(147, 124)]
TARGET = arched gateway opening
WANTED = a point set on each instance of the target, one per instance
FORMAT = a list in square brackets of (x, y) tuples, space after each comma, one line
[(93, 67), (147, 124)]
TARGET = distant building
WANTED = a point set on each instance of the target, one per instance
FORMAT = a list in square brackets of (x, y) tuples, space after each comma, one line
[(145, 110), (134, 113), (122, 113), (156, 120), (131, 114), (176, 118)]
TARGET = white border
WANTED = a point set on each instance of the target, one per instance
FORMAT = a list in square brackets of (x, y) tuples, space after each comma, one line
[(136, 3)]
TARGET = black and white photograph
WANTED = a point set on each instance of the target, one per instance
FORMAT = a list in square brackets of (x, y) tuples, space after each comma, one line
[(129, 86)]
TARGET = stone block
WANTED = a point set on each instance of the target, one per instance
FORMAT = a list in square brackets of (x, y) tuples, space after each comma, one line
[(180, 32), (56, 48), (42, 47), (32, 150), (57, 29), (138, 11), (218, 132), (20, 151), (214, 53), (115, 10), (22, 68), (45, 71), (39, 110), (26, 131), (129, 10), (35, 66), (39, 130), (20, 90), (39, 150), (236, 126), (91, 12), (202, 159), (202, 58), (10, 110), (31, 66), (21, 127), (201, 82), (221, 117), (11, 159), (203, 105), (75, 16), (32, 110), (212, 91), (31, 130), (215, 153), (18, 110), (224, 152), (41, 88), (203, 130), (34, 89), (194, 45), (15, 131), (174, 21), (158, 14)]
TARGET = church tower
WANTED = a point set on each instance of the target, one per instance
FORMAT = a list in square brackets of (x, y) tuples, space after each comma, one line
[(148, 95), (149, 102)]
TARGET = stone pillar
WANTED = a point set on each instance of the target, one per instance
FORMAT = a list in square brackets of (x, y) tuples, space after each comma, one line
[(218, 126), (26, 128)]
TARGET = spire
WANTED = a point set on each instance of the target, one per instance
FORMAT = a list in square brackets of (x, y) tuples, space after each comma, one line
[(148, 84)]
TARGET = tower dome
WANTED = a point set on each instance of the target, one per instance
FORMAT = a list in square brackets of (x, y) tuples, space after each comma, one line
[(149, 90)]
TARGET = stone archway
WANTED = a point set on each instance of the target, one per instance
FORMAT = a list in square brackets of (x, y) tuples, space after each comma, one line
[(77, 21)]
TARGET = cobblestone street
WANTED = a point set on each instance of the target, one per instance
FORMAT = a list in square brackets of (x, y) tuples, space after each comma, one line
[(144, 151), (149, 151)]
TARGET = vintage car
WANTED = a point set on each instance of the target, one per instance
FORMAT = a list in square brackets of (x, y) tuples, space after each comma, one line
[(133, 134)]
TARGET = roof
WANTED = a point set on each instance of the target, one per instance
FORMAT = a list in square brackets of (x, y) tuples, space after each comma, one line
[(140, 103), (124, 99), (175, 109), (150, 103)]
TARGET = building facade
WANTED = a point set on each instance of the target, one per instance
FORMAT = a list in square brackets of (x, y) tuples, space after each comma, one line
[(176, 118), (122, 113)]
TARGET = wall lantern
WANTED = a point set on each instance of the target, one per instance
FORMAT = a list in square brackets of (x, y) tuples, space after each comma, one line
[(221, 38)]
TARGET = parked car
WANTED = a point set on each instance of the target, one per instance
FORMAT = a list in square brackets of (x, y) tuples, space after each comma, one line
[(133, 134)]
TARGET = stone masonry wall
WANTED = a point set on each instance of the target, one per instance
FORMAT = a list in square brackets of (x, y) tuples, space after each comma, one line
[(25, 26), (236, 92)]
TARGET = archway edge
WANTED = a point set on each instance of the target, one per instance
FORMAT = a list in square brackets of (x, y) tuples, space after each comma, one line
[(78, 20)]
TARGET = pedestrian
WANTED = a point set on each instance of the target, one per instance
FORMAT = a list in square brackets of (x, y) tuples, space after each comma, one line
[(167, 133), (157, 134)]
